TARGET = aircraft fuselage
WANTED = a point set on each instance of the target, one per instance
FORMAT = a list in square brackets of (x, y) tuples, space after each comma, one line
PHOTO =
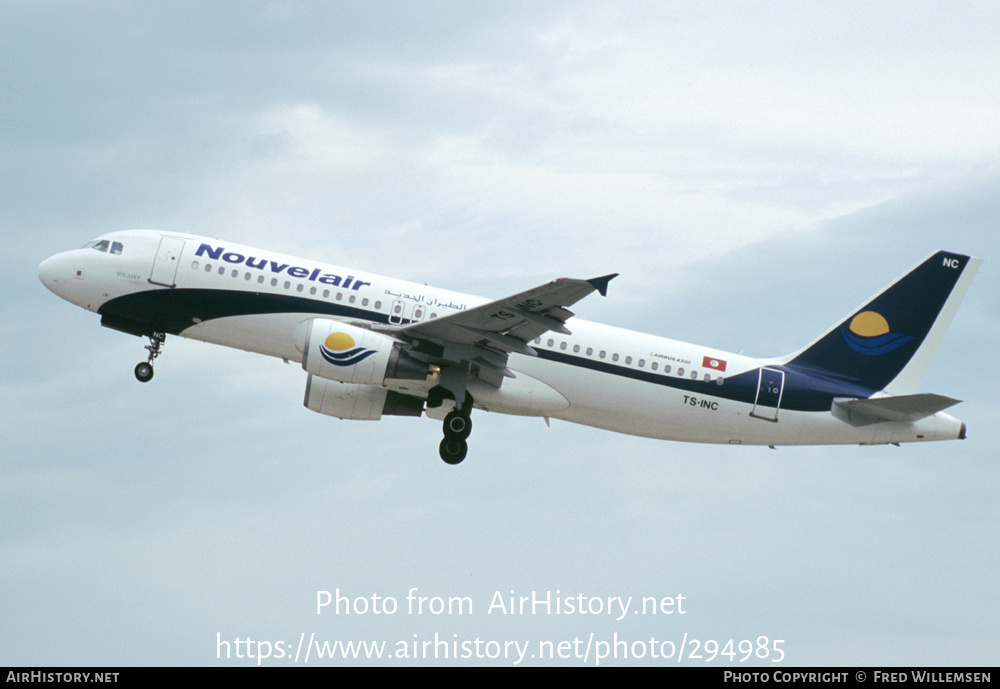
[(146, 282)]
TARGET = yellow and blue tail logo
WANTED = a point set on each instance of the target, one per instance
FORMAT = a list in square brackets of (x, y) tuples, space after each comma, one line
[(339, 349), (869, 334), (874, 345)]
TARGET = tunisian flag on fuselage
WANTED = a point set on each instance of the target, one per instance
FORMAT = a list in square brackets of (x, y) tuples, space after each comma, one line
[(717, 364)]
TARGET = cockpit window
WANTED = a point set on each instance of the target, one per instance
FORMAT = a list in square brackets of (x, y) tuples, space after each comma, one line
[(98, 245), (104, 245)]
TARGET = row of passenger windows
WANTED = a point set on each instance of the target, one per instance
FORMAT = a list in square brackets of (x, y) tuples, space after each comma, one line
[(641, 363), (397, 309), (418, 313)]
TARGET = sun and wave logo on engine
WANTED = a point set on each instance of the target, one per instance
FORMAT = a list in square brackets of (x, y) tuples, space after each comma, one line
[(339, 349), (869, 334)]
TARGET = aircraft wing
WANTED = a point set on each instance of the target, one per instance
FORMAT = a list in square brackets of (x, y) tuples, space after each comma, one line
[(485, 335)]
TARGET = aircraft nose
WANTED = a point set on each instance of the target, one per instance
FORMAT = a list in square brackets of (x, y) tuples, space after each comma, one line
[(55, 272), (46, 272)]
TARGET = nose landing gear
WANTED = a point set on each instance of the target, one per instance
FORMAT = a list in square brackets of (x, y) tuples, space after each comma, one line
[(144, 369)]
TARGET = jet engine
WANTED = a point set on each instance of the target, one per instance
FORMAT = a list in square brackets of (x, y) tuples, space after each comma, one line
[(356, 401), (348, 354)]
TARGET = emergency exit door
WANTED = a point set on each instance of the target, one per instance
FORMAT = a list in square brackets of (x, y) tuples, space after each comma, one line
[(770, 385)]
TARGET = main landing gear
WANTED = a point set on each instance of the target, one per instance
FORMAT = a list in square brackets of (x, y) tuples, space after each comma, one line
[(457, 427), (144, 369), (457, 424)]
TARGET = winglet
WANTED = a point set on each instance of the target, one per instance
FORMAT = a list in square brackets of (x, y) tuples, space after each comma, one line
[(601, 284)]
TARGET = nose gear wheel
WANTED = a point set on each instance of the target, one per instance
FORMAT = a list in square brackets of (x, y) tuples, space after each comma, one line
[(144, 369)]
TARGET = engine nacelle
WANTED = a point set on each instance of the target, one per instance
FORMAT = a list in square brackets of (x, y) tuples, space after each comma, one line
[(345, 353), (359, 402)]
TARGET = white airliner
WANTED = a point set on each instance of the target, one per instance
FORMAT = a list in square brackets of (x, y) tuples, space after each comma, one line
[(375, 346)]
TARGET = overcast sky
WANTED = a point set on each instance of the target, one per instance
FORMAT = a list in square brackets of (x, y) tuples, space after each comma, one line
[(753, 170)]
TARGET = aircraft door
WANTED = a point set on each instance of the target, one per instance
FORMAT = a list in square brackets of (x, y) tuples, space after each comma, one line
[(168, 256), (770, 385)]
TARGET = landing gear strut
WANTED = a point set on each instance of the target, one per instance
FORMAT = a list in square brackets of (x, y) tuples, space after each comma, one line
[(457, 427), (144, 369), (457, 424)]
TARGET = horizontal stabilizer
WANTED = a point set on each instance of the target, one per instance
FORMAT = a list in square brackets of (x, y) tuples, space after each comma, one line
[(904, 408)]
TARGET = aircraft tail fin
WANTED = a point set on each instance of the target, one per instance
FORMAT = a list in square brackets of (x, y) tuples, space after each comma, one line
[(888, 343)]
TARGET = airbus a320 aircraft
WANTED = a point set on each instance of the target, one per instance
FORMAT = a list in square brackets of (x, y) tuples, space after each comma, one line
[(375, 346)]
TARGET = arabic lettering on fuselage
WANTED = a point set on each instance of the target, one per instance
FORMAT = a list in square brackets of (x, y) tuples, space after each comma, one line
[(429, 301)]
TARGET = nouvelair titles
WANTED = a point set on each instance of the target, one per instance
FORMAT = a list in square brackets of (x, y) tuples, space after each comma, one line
[(314, 275)]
